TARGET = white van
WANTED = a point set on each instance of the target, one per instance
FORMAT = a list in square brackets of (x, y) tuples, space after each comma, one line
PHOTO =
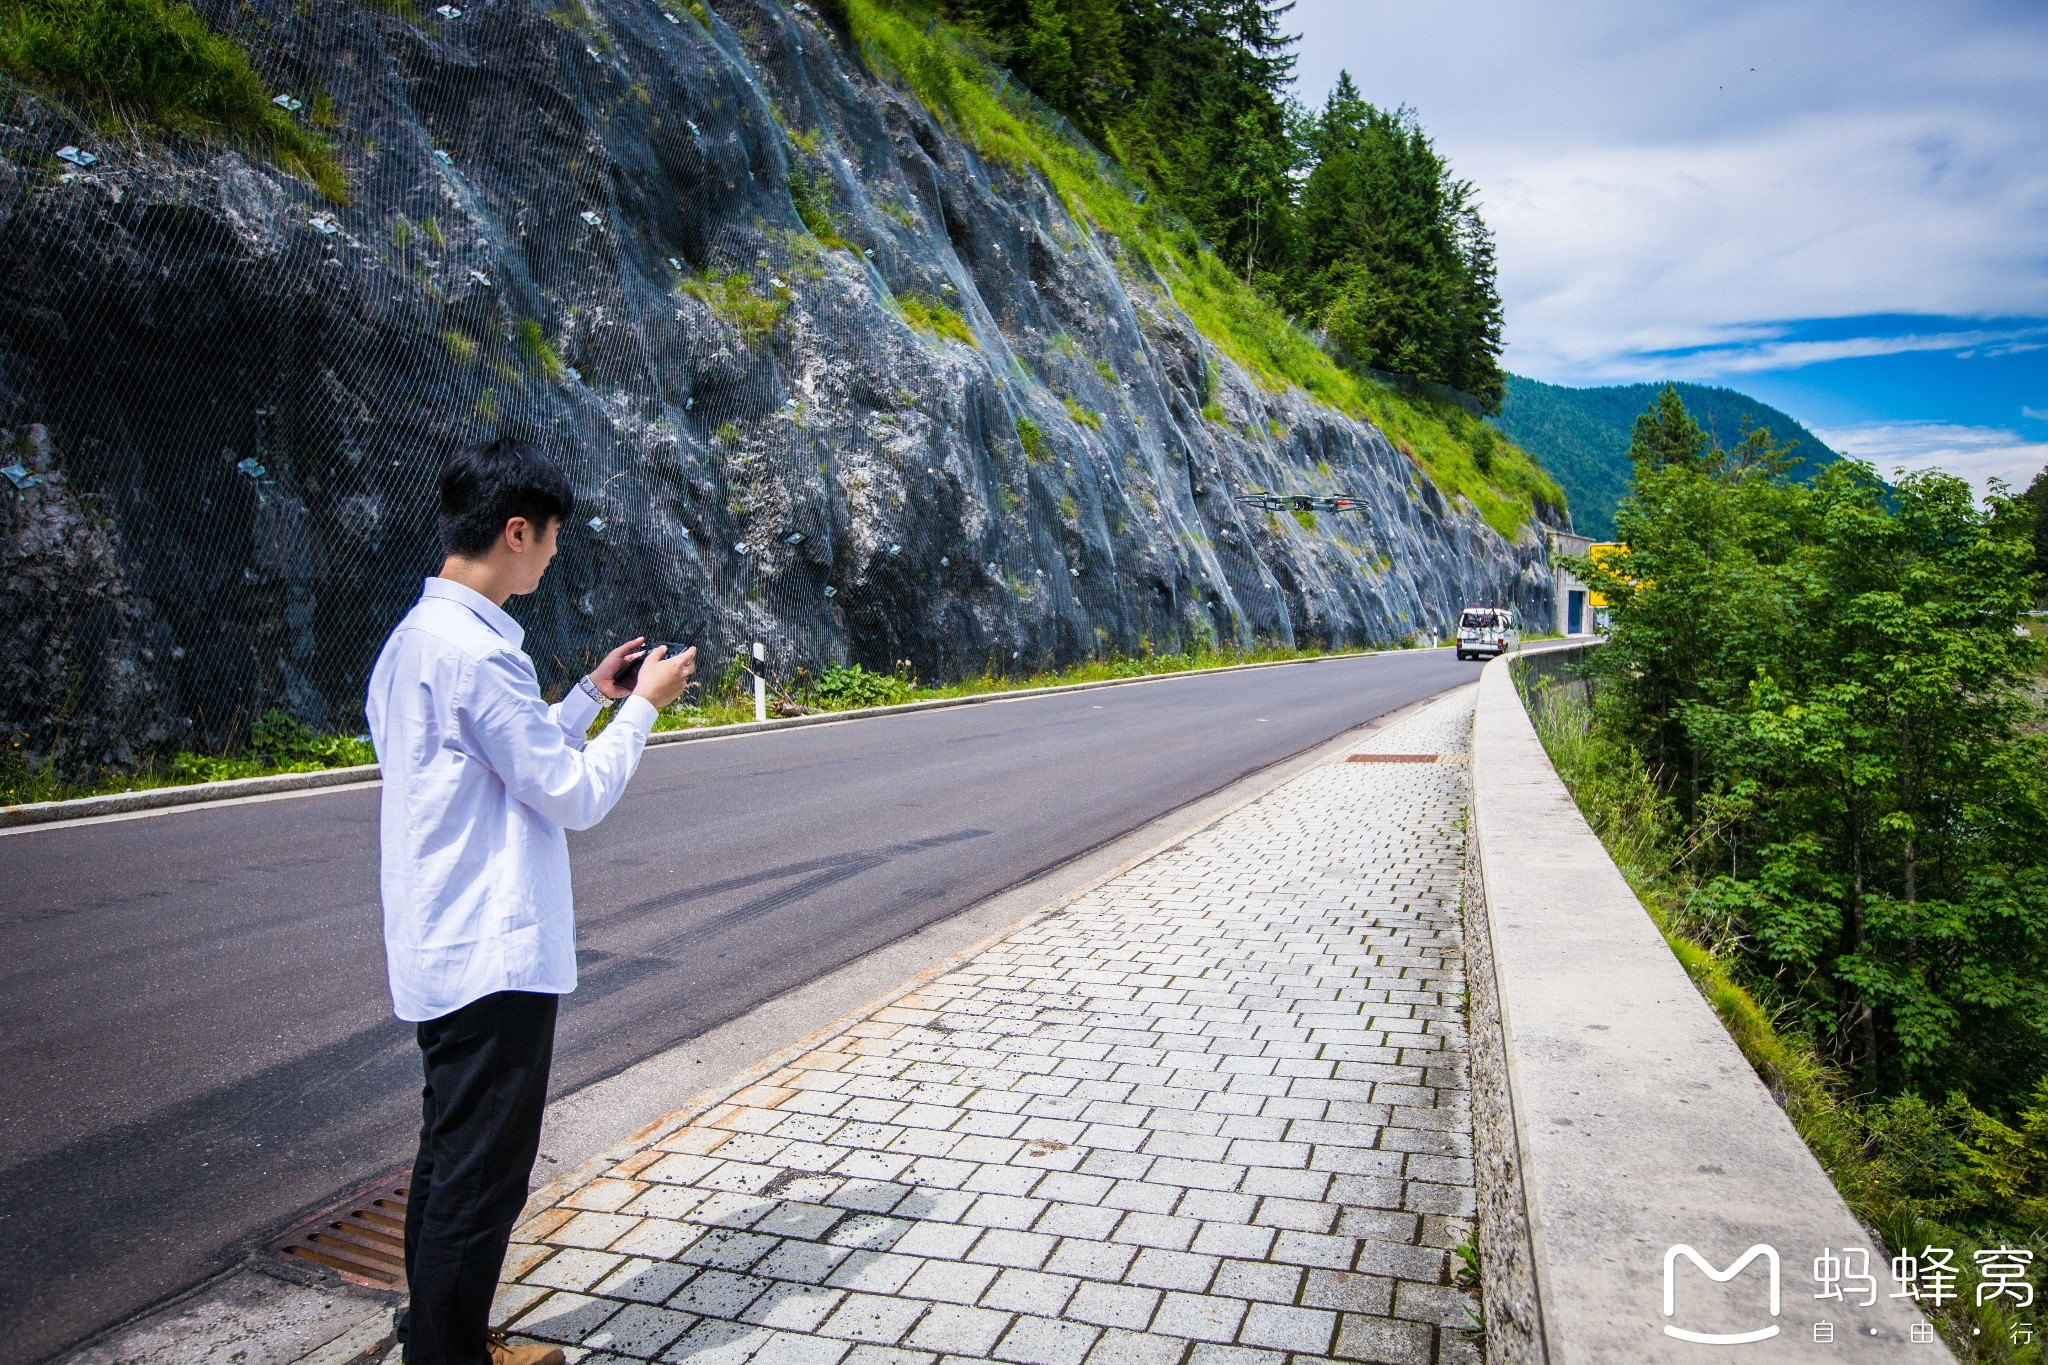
[(1484, 632)]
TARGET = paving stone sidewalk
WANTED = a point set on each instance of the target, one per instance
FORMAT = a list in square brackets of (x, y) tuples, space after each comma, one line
[(1214, 1110)]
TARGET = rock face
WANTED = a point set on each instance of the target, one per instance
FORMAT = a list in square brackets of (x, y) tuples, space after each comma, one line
[(582, 225)]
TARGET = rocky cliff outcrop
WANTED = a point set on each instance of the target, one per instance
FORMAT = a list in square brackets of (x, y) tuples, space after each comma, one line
[(945, 423)]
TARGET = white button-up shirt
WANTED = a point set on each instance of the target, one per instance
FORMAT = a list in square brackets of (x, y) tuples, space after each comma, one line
[(481, 780)]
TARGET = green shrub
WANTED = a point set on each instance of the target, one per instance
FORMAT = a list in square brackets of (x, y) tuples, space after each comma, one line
[(812, 195), (157, 61), (1085, 417), (1032, 439), (533, 344), (1921, 1172), (277, 744), (930, 316), (849, 687), (735, 300)]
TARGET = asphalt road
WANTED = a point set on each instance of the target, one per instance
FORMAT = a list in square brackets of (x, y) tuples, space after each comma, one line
[(196, 1046)]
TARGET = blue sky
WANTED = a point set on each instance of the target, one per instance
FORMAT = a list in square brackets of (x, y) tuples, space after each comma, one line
[(1840, 208)]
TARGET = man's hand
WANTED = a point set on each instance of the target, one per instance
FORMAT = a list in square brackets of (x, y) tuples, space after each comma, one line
[(662, 679), (604, 676)]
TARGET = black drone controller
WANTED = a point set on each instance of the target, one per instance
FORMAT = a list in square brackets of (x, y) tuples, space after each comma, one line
[(629, 675)]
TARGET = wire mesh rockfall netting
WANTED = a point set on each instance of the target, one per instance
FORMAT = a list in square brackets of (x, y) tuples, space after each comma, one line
[(819, 376)]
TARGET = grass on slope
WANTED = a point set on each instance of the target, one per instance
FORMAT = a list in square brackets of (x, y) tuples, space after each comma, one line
[(158, 62), (1450, 445)]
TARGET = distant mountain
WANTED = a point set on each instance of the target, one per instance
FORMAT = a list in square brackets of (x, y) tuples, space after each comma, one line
[(1581, 436)]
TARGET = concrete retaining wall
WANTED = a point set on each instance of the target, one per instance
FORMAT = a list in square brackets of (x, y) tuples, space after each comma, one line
[(1618, 1125)]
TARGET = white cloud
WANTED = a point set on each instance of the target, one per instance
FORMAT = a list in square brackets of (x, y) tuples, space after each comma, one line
[(1978, 454), (1669, 177), (1751, 357), (2038, 414), (1622, 250)]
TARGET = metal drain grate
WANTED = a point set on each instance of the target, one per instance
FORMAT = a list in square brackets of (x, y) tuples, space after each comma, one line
[(1391, 758), (362, 1240)]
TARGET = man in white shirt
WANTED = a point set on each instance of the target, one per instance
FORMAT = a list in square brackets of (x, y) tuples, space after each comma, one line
[(481, 780)]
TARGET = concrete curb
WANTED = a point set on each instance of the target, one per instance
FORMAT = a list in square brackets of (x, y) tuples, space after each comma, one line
[(163, 798), (208, 793), (1639, 1130)]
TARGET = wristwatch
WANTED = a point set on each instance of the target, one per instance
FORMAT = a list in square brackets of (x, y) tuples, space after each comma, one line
[(590, 688)]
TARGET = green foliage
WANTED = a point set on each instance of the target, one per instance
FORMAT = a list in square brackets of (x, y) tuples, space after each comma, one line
[(2031, 508), (1084, 416), (1306, 520), (1394, 256), (844, 688), (811, 192), (1108, 373), (575, 16), (1484, 446), (157, 61), (1665, 434), (1924, 1172), (1378, 241), (1243, 321), (1831, 680), (934, 318), (461, 349), (1468, 1275), (735, 300), (1581, 436), (277, 744), (533, 344), (1031, 438), (1070, 53)]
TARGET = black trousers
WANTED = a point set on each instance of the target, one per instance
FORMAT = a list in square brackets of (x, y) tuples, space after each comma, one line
[(480, 1111)]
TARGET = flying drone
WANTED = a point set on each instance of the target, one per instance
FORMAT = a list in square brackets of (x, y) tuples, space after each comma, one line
[(1302, 502)]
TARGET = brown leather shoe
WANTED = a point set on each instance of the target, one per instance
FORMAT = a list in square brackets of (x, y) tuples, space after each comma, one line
[(504, 1352)]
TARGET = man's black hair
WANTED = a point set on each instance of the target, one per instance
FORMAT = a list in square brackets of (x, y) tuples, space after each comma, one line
[(485, 486)]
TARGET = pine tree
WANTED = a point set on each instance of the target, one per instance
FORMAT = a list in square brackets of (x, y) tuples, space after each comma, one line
[(1394, 257), (1666, 435), (2034, 503), (1379, 242)]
